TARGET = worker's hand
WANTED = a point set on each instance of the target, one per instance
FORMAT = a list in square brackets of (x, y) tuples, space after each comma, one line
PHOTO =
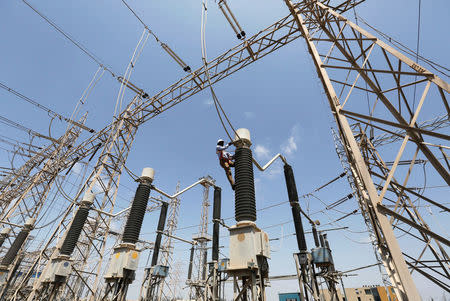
[(230, 143)]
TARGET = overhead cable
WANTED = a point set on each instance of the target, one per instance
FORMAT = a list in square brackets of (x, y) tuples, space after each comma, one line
[(269, 207), (163, 45), (217, 104), (44, 108), (339, 202), (17, 142), (72, 40), (417, 51), (328, 183), (18, 126), (407, 50)]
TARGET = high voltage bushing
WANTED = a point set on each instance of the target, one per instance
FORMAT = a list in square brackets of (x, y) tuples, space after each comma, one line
[(71, 239), (205, 263), (160, 229), (191, 260), (138, 207), (316, 236), (18, 243), (216, 219), (3, 235), (295, 206), (245, 206), (322, 241)]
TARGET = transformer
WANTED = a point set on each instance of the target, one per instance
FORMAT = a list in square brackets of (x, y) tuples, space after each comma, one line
[(159, 270), (58, 268), (123, 258), (3, 276), (223, 264), (322, 257), (247, 242)]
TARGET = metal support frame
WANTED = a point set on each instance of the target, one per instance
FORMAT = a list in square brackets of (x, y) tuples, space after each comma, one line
[(341, 49), (197, 283), (306, 277), (345, 52)]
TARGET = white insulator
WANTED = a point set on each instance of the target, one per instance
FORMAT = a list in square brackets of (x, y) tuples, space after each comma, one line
[(30, 221), (5, 231), (243, 135), (88, 197), (148, 174)]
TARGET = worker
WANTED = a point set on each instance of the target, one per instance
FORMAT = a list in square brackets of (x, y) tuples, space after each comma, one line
[(226, 159)]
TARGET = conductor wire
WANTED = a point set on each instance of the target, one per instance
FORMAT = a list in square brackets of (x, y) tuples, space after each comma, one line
[(72, 40), (205, 64)]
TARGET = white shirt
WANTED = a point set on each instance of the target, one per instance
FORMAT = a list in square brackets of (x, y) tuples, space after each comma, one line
[(220, 151)]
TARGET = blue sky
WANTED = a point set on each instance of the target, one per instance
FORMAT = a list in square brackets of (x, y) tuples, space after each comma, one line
[(278, 98)]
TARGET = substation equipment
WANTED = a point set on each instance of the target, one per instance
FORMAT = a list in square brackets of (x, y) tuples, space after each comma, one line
[(125, 258), (156, 273), (197, 278), (13, 257), (58, 269), (249, 245), (334, 43)]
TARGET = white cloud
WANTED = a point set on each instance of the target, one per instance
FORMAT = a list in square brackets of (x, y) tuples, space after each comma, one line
[(275, 170), (208, 102), (290, 146), (261, 152), (249, 115)]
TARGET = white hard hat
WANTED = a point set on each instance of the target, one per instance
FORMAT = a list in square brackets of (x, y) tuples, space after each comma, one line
[(220, 140)]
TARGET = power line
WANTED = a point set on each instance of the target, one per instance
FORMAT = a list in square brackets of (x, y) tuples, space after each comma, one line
[(72, 40), (163, 45), (270, 206), (140, 20), (17, 142), (15, 152), (417, 50), (18, 126), (44, 108), (309, 232), (208, 77), (407, 50)]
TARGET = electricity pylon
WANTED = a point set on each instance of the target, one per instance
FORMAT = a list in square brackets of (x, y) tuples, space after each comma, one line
[(23, 211), (352, 64), (198, 282)]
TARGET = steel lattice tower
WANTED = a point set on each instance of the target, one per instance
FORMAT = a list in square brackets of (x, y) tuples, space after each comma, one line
[(200, 267), (352, 64)]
